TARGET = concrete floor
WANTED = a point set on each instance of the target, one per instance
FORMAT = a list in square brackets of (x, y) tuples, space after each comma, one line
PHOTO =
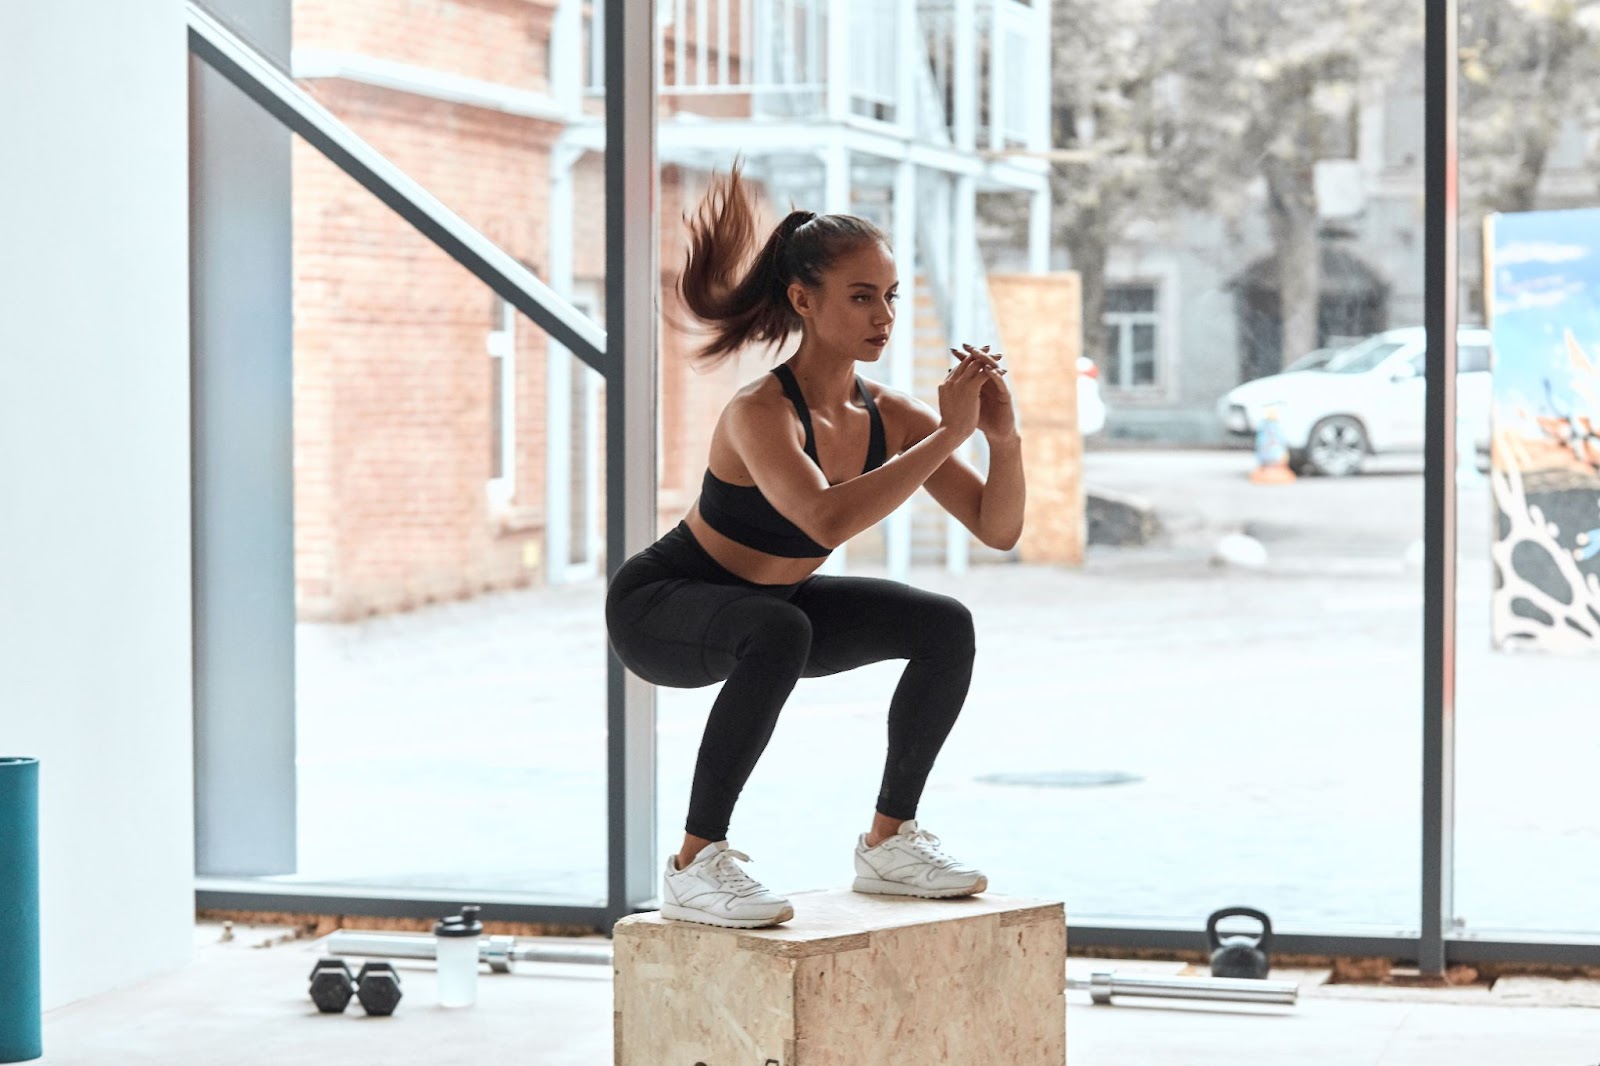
[(244, 1002)]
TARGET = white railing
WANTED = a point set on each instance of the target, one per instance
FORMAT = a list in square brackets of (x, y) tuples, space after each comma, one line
[(777, 57), (773, 51), (1012, 69), (1013, 97)]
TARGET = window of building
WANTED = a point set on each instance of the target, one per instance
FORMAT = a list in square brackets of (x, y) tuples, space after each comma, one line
[(502, 347), (1132, 321)]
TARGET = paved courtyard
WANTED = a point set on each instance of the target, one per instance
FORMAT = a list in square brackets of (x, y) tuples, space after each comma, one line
[(1266, 724)]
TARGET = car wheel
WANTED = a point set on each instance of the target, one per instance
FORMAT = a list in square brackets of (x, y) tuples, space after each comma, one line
[(1337, 446), (1298, 462)]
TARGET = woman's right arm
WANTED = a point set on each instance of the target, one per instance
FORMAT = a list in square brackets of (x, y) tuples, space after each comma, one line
[(832, 514)]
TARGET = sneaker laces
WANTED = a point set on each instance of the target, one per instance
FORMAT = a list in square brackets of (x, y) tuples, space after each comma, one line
[(927, 845), (731, 877)]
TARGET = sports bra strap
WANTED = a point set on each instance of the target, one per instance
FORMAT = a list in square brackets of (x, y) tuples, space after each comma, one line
[(877, 445), (791, 389)]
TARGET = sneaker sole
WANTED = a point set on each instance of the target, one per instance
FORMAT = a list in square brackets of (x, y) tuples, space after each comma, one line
[(873, 886), (687, 914)]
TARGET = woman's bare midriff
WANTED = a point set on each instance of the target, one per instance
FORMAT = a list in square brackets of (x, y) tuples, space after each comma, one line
[(747, 562)]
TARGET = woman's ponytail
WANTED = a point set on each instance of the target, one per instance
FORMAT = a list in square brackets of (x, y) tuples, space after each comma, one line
[(740, 305)]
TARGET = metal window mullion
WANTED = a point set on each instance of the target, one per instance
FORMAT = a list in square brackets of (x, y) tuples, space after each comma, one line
[(632, 288), (1439, 489)]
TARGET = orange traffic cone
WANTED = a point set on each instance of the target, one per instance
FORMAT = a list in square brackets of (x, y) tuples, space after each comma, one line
[(1272, 454)]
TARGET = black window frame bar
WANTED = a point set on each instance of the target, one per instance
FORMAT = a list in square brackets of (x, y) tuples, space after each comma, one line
[(1441, 278), (629, 359)]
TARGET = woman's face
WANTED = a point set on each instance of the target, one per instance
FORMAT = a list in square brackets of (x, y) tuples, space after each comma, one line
[(852, 312)]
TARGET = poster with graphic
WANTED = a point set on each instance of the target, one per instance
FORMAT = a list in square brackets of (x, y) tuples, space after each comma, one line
[(1543, 292)]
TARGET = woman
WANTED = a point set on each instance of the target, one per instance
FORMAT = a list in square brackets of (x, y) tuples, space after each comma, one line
[(801, 460)]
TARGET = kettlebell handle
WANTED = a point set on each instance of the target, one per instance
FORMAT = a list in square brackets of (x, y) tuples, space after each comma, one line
[(1263, 942)]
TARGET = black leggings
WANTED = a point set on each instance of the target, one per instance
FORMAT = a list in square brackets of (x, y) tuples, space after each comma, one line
[(678, 618)]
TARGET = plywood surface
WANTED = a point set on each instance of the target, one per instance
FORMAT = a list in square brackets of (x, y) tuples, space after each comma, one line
[(852, 979), (1040, 322)]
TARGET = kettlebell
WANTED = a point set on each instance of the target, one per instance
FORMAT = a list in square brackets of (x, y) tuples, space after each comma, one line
[(1239, 956)]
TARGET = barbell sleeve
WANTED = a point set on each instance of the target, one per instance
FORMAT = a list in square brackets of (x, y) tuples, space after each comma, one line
[(1105, 984), (500, 952)]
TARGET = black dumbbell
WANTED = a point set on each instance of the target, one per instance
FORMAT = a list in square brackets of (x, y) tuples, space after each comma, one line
[(378, 987), (331, 986)]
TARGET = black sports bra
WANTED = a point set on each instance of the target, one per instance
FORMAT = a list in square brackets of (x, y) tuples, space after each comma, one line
[(741, 513)]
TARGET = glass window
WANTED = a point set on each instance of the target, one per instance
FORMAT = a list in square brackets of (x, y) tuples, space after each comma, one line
[(1241, 705), (1192, 720), (1132, 324), (450, 663), (502, 403), (1130, 298), (450, 656), (1528, 488)]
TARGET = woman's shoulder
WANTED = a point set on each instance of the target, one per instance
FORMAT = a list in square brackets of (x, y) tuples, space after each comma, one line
[(753, 407), (906, 419), (896, 403), (757, 394)]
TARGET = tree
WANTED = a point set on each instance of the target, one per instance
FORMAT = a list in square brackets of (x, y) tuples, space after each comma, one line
[(1272, 89), (1113, 163), (1162, 105), (1111, 129), (1528, 68)]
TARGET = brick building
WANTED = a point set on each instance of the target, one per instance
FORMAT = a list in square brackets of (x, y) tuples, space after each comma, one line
[(442, 449)]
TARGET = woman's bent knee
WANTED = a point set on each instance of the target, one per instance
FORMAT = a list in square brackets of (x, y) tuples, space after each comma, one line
[(946, 626)]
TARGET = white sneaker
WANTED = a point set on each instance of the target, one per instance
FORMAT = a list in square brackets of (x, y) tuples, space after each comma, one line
[(911, 864), (713, 890)]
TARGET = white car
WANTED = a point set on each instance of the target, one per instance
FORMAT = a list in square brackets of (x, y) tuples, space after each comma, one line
[(1091, 407), (1368, 399)]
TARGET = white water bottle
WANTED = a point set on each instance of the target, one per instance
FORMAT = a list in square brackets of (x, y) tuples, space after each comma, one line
[(456, 949)]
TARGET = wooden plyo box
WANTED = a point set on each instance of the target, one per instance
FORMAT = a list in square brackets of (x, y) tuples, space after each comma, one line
[(852, 980)]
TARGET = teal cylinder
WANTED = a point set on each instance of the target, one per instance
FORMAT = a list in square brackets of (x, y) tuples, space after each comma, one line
[(21, 1036)]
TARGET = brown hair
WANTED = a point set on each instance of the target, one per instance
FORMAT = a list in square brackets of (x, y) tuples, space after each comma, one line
[(739, 303)]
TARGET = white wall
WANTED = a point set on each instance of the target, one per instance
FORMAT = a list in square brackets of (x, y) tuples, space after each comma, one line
[(94, 475)]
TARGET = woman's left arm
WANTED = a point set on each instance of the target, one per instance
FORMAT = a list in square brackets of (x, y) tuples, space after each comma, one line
[(991, 508), (1004, 494)]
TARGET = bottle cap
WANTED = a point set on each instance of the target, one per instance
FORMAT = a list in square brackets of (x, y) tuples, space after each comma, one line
[(464, 924)]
